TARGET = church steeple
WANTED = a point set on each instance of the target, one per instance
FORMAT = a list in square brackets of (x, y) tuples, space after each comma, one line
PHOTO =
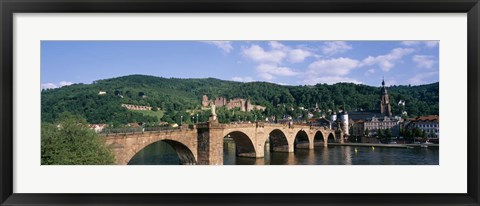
[(385, 108), (384, 89)]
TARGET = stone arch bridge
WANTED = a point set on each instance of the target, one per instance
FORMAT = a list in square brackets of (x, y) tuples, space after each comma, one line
[(204, 143)]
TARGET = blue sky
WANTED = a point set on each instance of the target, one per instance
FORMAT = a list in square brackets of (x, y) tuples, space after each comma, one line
[(282, 62)]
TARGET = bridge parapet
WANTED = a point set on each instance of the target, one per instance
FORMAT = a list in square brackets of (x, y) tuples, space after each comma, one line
[(241, 125), (164, 131), (201, 125), (205, 125)]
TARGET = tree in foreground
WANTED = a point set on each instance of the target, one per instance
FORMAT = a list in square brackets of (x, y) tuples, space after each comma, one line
[(71, 142), (388, 134)]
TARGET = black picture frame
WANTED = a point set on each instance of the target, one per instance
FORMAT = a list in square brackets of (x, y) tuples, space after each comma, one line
[(10, 7)]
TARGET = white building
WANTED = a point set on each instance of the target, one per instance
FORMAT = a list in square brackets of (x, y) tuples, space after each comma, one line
[(333, 118), (429, 124), (344, 122), (375, 123)]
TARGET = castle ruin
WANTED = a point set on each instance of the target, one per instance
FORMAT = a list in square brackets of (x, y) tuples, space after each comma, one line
[(243, 104)]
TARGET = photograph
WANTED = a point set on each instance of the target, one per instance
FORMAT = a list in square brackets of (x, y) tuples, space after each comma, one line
[(269, 102), (239, 102)]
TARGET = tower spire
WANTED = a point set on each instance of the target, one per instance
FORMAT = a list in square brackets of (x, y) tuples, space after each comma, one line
[(384, 102)]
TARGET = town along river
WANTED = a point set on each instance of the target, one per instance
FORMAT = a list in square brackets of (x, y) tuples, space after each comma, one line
[(161, 153)]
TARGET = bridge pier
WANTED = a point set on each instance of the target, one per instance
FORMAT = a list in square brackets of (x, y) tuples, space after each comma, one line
[(210, 144), (340, 136), (291, 147), (260, 150), (311, 143), (120, 153)]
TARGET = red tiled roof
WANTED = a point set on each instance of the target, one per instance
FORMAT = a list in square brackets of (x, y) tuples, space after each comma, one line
[(427, 118)]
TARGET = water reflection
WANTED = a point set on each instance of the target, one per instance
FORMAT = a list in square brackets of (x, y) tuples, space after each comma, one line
[(325, 156), (158, 153), (161, 153), (338, 155), (347, 153)]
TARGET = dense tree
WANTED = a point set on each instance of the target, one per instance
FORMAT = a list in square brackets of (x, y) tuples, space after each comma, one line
[(380, 133), (367, 132), (70, 142), (176, 96), (388, 134)]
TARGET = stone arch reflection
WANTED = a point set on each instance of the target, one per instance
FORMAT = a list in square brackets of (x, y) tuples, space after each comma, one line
[(243, 144), (277, 141), (318, 139), (164, 152), (331, 138), (301, 140)]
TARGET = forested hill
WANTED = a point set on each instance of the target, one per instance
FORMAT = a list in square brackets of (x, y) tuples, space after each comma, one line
[(183, 96)]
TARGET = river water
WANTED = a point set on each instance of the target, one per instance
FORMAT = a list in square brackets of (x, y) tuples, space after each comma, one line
[(161, 153)]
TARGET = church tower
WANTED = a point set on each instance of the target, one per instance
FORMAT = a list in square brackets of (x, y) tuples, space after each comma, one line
[(385, 108)]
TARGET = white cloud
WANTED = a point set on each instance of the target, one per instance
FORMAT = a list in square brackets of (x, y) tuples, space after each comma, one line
[(53, 85), (334, 47), (387, 61), (331, 71), (420, 78), (277, 45), (298, 55), (369, 72), (424, 61), (226, 46), (339, 66), (410, 43), (429, 44), (258, 54), (277, 53), (268, 71), (48, 86), (330, 80), (243, 79), (64, 83)]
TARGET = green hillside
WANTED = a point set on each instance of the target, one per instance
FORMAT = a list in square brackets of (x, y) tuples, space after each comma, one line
[(176, 96)]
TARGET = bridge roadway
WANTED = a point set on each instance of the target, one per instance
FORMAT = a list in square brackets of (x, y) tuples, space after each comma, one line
[(203, 144)]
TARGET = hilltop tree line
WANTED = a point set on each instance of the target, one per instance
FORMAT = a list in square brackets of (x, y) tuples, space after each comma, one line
[(180, 99)]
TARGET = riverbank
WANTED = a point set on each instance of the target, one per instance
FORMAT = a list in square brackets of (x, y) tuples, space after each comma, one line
[(382, 145)]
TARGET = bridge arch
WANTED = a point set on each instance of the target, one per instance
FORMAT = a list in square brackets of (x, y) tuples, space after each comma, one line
[(126, 145), (243, 144), (319, 139), (331, 138), (301, 140), (278, 141), (184, 154)]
